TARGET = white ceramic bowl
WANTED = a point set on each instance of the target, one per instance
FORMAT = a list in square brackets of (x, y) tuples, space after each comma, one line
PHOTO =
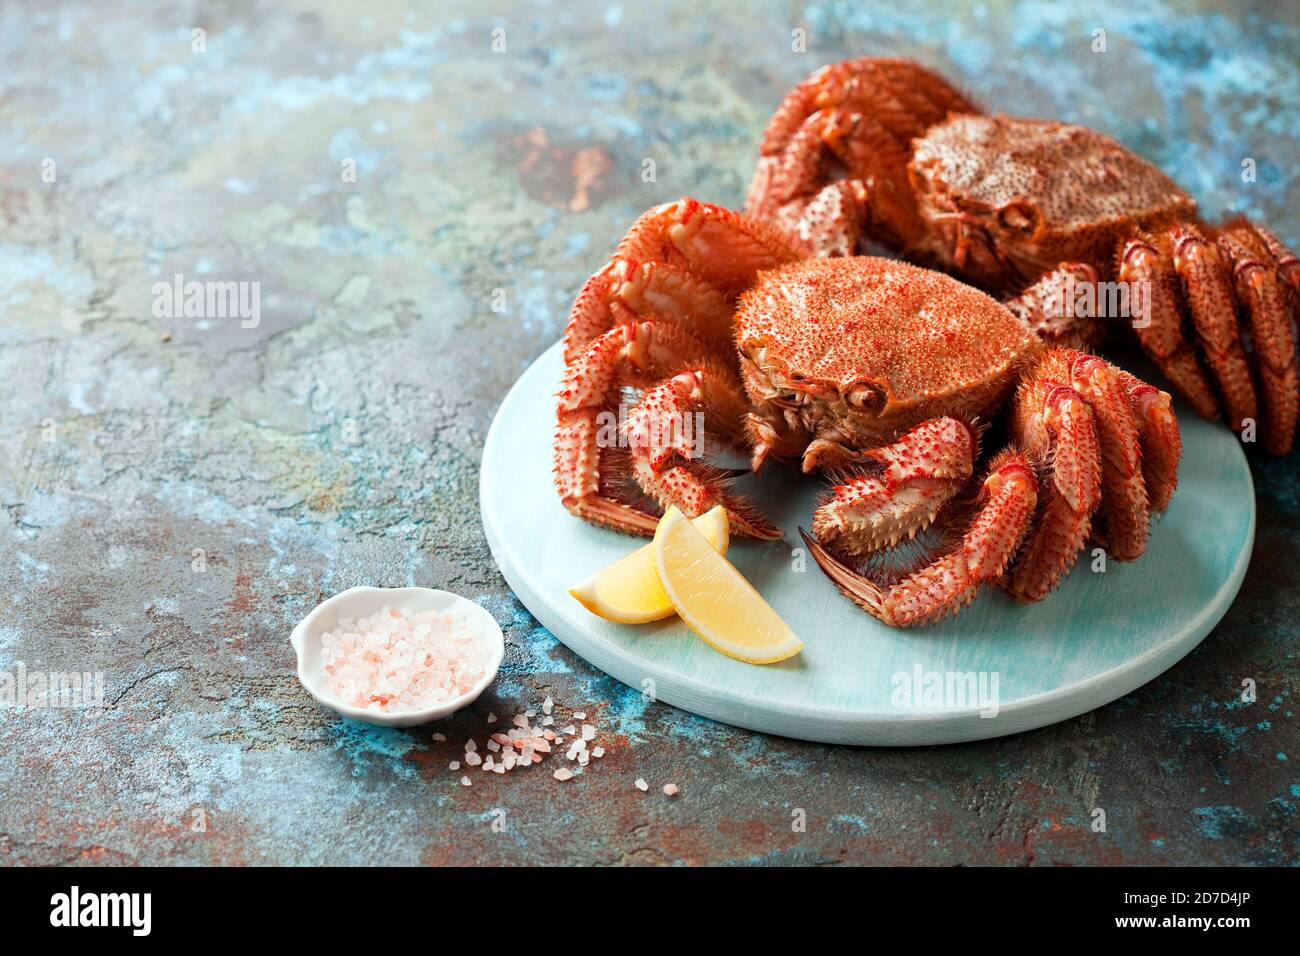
[(362, 602)]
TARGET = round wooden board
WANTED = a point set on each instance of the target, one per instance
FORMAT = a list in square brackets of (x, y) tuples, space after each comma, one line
[(858, 682)]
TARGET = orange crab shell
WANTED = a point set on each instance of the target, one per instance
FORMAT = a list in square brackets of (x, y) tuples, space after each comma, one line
[(1045, 191), (882, 342)]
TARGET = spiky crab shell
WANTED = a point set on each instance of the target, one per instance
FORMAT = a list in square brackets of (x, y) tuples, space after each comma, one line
[(876, 342), (1045, 191)]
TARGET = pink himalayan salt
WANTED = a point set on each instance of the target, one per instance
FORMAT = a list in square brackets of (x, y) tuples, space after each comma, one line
[(395, 660)]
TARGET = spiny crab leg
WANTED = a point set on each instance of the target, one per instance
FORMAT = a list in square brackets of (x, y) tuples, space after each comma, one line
[(1162, 442), (591, 386), (662, 305), (1123, 488), (1161, 334), (667, 446), (1007, 499), (679, 262), (920, 474), (1260, 290), (1210, 300), (1053, 424)]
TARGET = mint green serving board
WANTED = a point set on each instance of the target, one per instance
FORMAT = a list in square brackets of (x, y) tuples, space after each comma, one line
[(858, 682)]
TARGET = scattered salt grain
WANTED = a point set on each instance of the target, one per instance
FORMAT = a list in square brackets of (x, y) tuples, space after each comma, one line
[(642, 785), (441, 738), (580, 715), (396, 660), (523, 745), (670, 789), (492, 718)]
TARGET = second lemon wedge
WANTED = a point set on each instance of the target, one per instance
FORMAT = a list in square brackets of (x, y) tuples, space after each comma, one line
[(715, 600), (629, 592)]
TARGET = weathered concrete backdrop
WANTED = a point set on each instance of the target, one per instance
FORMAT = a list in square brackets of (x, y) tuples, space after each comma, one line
[(178, 492)]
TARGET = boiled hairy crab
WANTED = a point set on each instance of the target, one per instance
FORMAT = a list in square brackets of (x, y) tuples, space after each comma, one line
[(885, 150), (878, 371)]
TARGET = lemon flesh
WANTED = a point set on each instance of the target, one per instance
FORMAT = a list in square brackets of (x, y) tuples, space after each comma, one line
[(715, 600), (629, 592)]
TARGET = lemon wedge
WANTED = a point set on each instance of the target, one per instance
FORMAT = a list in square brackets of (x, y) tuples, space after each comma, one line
[(715, 600), (629, 592)]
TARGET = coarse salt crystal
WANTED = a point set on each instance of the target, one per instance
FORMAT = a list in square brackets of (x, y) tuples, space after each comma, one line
[(547, 705), (588, 732), (493, 746), (473, 759), (466, 781), (598, 751), (580, 715), (670, 789), (492, 718), (440, 737), (454, 765), (397, 660), (642, 785), (564, 773)]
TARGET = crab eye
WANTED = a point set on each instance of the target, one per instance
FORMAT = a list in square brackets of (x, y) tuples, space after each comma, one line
[(1018, 215), (863, 396)]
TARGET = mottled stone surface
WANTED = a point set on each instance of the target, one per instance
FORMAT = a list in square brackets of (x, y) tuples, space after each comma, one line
[(336, 443)]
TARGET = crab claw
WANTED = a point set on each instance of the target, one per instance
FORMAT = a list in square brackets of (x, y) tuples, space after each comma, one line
[(919, 474), (1007, 500)]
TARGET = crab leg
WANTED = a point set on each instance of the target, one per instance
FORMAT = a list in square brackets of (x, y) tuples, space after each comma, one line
[(1053, 424), (920, 474), (719, 245), (1264, 299), (1123, 489), (679, 262), (833, 163), (1162, 443), (1007, 498), (1161, 334), (1047, 306), (666, 436), (587, 401), (1208, 286)]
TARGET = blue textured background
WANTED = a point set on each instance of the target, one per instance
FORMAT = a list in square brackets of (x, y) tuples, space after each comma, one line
[(515, 171)]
